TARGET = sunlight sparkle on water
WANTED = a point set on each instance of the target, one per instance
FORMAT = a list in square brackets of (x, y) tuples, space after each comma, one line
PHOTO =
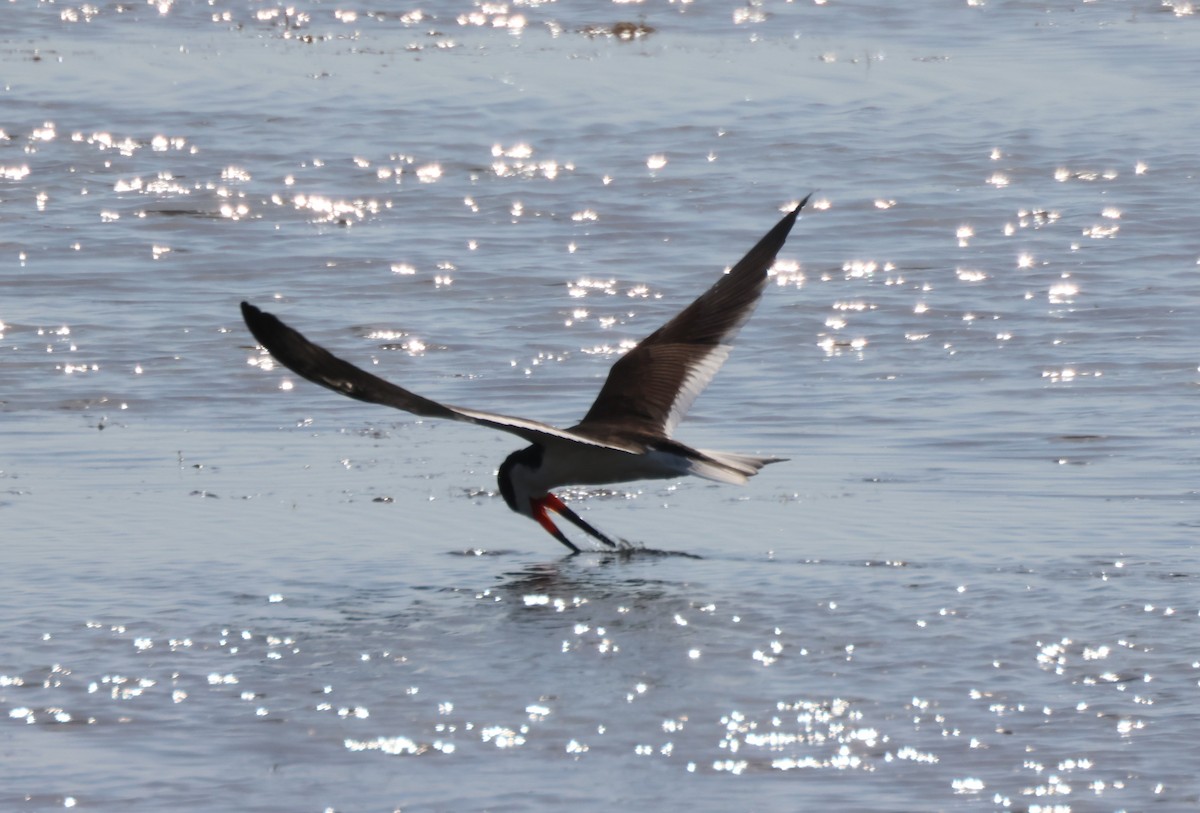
[(398, 746), (748, 14), (398, 340), (818, 734), (787, 272), (1063, 174), (516, 161), (494, 16), (519, 150), (329, 210), (583, 286), (859, 269), (1062, 293), (641, 291), (835, 347), (607, 350), (264, 361), (429, 173), (968, 784), (1100, 231)]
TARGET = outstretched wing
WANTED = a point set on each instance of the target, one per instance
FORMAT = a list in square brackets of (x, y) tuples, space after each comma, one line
[(320, 366), (652, 387)]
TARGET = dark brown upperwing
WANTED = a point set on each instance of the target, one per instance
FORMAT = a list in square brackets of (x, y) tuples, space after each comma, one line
[(651, 387), (291, 349)]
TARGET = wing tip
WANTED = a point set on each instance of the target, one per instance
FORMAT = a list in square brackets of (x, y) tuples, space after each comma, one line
[(795, 210), (784, 227), (249, 311), (265, 327)]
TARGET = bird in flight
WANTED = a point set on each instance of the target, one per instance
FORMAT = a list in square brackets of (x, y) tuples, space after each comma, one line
[(626, 435)]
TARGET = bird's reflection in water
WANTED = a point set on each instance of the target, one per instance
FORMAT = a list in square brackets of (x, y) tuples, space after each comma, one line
[(608, 580)]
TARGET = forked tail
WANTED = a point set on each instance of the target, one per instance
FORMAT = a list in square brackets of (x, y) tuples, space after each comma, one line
[(729, 467)]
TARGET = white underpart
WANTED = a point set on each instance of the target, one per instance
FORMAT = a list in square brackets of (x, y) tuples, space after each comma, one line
[(698, 377), (595, 466), (571, 465)]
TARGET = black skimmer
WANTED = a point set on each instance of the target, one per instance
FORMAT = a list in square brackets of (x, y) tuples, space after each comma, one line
[(626, 435)]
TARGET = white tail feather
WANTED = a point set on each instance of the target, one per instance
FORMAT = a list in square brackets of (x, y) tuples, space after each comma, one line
[(729, 467)]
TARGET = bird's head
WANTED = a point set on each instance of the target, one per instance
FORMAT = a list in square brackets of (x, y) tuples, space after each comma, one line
[(518, 479), (515, 475)]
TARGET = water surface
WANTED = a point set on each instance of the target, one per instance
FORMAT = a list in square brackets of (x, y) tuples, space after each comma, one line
[(973, 586)]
